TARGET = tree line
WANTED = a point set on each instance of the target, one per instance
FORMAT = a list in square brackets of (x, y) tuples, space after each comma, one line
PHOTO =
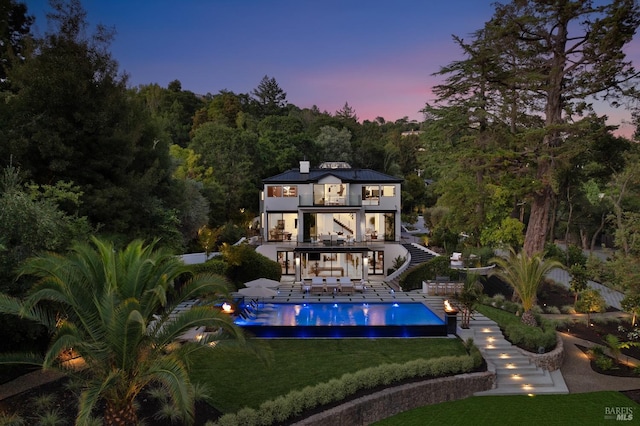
[(148, 162), (515, 150)]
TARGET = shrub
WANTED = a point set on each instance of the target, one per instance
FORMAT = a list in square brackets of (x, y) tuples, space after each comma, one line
[(604, 363), (537, 309), (412, 278), (575, 256), (168, 411), (523, 335), (11, 420), (477, 257), (51, 418), (247, 416), (498, 298), (552, 251), (531, 338), (568, 309), (216, 266), (552, 310), (512, 307), (596, 351), (43, 402), (245, 264), (600, 271)]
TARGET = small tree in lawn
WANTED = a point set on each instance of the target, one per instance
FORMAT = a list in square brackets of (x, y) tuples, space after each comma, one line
[(579, 280), (590, 300), (208, 238), (468, 298), (631, 303)]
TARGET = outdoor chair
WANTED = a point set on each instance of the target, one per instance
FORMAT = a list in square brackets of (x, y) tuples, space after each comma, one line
[(331, 284), (317, 285), (346, 285)]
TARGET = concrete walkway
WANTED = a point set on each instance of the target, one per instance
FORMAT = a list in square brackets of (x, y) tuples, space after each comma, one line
[(516, 374), (579, 376)]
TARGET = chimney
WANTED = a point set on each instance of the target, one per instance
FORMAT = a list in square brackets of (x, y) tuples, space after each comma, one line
[(304, 166)]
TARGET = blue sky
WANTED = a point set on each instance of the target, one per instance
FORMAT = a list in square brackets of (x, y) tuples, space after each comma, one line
[(379, 56)]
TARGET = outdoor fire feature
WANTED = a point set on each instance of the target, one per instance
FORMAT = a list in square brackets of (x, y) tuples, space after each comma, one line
[(451, 316)]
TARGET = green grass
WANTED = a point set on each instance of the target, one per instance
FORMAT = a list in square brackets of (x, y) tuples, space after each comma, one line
[(498, 315), (237, 380), (561, 410)]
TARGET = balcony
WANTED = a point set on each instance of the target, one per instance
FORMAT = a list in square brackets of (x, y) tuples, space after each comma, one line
[(308, 200)]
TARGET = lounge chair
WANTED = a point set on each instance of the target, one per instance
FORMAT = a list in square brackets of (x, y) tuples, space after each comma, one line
[(317, 285), (346, 285), (331, 284)]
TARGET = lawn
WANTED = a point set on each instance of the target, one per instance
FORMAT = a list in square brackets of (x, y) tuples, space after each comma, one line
[(238, 379), (561, 410)]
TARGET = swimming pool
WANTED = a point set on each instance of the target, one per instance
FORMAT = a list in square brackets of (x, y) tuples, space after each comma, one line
[(342, 320)]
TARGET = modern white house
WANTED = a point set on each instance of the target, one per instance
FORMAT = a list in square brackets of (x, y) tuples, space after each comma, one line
[(331, 221)]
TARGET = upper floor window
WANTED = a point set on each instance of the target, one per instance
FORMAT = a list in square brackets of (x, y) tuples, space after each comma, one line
[(370, 194), (388, 191), (282, 191)]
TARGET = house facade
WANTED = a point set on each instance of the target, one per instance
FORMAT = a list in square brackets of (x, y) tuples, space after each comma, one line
[(333, 220)]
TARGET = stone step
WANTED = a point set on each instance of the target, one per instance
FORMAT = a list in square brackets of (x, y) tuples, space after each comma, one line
[(504, 359), (523, 370), (529, 390), (496, 345), (538, 376)]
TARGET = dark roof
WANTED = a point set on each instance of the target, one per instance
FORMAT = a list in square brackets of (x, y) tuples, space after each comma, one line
[(345, 175)]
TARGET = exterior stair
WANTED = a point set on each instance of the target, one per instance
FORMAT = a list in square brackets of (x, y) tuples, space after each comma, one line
[(516, 374), (418, 255)]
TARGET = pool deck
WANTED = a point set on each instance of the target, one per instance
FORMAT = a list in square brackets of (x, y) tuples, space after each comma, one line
[(376, 291)]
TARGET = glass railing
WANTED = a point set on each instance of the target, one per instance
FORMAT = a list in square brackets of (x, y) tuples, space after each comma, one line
[(308, 200)]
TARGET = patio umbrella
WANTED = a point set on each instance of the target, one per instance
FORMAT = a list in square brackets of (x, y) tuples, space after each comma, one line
[(262, 282), (257, 292)]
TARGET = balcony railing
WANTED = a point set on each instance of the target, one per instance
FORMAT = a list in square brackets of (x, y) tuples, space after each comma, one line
[(308, 200)]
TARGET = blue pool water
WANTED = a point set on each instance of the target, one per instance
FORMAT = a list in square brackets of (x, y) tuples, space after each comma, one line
[(343, 320)]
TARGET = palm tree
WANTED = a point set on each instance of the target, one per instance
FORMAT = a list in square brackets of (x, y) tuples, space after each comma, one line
[(525, 274), (116, 311)]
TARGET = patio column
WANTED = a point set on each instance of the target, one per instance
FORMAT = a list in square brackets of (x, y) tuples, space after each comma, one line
[(297, 262), (365, 267)]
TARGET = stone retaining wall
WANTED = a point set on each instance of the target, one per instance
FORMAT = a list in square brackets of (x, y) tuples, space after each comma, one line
[(551, 360), (395, 400)]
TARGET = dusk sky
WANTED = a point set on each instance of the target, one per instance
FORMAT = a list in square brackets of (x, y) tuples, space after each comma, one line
[(379, 56)]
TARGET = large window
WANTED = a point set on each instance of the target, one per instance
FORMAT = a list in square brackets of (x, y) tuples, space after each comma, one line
[(389, 226), (376, 262), (332, 264), (371, 193), (388, 191), (282, 226), (332, 194), (380, 226), (286, 259), (282, 191)]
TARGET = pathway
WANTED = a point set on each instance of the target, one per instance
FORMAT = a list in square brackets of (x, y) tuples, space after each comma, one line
[(516, 374)]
